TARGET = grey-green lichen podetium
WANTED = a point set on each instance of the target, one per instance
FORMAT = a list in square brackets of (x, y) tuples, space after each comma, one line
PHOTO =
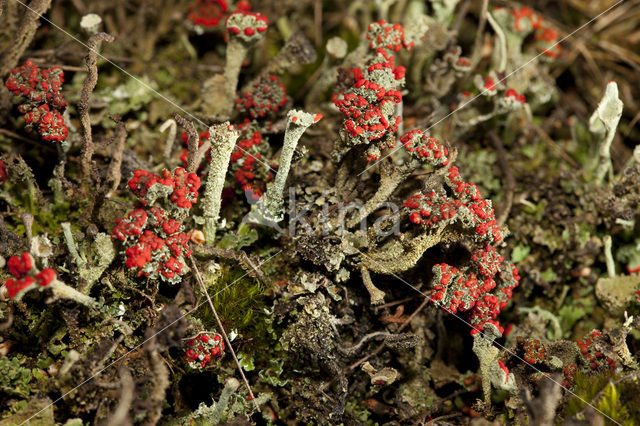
[(604, 122), (223, 139), (270, 208), (492, 371), (245, 29)]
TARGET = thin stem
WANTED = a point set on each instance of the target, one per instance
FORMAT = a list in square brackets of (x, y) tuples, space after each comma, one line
[(377, 295), (271, 204), (389, 182), (502, 42), (482, 23)]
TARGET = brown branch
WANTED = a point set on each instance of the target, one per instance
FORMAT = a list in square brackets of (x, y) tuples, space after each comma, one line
[(83, 105), (201, 152), (223, 332), (193, 140), (21, 138), (355, 348), (395, 302), (440, 420)]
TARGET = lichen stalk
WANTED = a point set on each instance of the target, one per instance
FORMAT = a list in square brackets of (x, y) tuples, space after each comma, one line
[(399, 256), (377, 295), (28, 277), (71, 245), (245, 29), (389, 183), (63, 291), (236, 52), (501, 42), (494, 373), (605, 119), (223, 139), (271, 205), (114, 172)]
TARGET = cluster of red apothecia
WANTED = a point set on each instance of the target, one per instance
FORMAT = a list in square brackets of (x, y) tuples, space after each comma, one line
[(544, 36), (485, 287), (247, 26), (210, 13), (369, 105), (202, 349), (425, 147), (153, 239), (26, 276), (43, 101), (266, 97)]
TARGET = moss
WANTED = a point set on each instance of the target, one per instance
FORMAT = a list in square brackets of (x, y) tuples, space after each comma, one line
[(613, 406), (237, 304), (614, 395)]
